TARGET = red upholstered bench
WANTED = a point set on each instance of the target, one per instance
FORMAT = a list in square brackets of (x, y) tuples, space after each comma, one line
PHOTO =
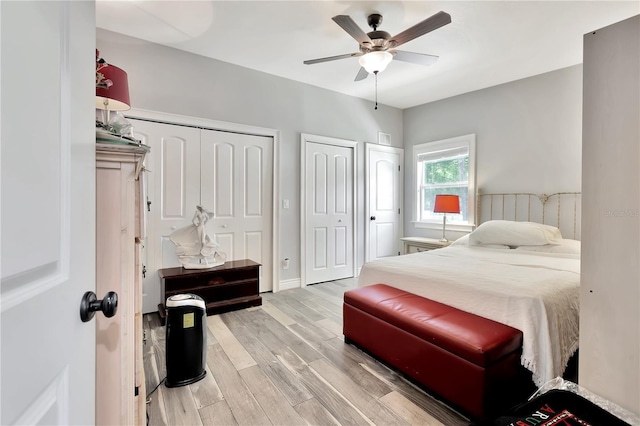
[(471, 362)]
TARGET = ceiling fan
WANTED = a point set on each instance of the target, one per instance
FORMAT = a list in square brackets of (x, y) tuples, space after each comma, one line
[(377, 48)]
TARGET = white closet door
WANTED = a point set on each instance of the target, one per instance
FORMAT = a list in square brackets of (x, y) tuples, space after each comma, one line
[(174, 193), (236, 183), (329, 212), (230, 174), (384, 201)]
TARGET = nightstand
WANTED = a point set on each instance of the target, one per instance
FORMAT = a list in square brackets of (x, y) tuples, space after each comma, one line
[(418, 244)]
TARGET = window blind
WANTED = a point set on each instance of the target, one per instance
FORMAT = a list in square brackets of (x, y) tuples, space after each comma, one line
[(445, 154)]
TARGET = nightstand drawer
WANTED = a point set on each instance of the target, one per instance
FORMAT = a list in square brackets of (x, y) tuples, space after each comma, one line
[(410, 248), (419, 244)]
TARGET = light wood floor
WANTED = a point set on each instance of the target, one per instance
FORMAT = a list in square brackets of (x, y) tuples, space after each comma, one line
[(286, 363)]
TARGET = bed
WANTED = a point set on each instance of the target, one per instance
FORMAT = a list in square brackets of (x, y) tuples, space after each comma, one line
[(514, 270)]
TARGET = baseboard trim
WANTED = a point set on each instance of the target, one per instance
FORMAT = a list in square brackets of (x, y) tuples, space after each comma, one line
[(289, 284)]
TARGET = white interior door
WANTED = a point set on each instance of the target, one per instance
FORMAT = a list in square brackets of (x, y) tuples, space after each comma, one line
[(236, 183), (329, 217), (48, 212), (384, 193), (174, 192)]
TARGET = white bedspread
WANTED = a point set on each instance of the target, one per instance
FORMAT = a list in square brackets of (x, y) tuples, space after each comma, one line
[(537, 293)]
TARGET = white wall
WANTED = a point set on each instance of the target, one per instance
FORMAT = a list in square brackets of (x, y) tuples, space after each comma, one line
[(528, 136), (169, 80), (610, 285)]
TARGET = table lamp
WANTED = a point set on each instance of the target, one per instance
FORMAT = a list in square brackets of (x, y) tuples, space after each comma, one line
[(446, 204), (112, 91)]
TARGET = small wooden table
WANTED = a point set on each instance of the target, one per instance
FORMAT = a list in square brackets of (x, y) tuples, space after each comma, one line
[(234, 285)]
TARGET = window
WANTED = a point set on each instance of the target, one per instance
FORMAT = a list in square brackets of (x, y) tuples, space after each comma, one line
[(445, 167)]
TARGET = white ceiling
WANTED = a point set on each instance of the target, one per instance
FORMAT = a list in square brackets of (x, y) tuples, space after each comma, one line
[(487, 43)]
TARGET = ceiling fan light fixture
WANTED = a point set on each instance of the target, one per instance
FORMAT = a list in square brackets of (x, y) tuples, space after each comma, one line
[(375, 62)]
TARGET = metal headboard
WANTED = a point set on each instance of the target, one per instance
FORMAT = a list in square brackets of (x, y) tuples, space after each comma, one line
[(561, 209)]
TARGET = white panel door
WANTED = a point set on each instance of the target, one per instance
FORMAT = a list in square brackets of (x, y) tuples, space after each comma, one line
[(609, 362), (384, 177), (329, 212), (236, 184), (174, 192), (48, 212)]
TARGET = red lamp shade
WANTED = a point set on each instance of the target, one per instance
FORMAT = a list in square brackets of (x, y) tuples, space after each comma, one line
[(447, 204), (115, 97)]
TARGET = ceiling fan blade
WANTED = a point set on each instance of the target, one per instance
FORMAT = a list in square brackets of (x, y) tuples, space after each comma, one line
[(433, 23), (414, 58), (362, 74), (347, 24), (332, 58)]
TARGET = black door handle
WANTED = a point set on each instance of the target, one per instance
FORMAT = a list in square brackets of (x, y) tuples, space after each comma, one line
[(89, 305), (372, 218)]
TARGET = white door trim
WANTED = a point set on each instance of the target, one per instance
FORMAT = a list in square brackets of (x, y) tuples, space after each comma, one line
[(169, 118), (306, 138), (390, 149)]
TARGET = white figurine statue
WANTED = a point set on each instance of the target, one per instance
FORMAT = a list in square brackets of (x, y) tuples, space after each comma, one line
[(195, 249)]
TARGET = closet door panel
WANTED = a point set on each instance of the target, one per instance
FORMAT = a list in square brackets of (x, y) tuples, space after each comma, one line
[(226, 242), (253, 246), (253, 203), (217, 184), (237, 186), (173, 191), (173, 178)]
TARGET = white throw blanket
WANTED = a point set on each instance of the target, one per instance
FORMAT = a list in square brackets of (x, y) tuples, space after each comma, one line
[(537, 293)]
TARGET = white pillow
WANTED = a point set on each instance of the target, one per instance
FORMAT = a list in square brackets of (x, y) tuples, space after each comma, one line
[(464, 241), (514, 234), (566, 246), (493, 246)]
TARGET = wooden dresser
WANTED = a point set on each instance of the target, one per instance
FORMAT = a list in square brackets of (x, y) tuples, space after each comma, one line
[(120, 382), (234, 285)]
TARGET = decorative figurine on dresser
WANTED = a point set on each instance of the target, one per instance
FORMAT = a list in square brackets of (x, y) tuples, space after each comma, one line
[(223, 285), (195, 249)]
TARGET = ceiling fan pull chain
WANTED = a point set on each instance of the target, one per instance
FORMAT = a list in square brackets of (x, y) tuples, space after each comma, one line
[(376, 76)]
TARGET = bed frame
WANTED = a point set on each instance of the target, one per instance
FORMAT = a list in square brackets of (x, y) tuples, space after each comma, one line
[(380, 324), (560, 209)]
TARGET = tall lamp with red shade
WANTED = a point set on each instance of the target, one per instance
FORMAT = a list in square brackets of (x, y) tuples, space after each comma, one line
[(112, 88), (446, 204)]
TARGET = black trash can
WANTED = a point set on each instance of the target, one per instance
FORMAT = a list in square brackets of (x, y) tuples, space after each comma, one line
[(186, 340)]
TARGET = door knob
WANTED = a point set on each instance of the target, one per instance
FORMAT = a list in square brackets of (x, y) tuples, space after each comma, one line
[(89, 305), (373, 218)]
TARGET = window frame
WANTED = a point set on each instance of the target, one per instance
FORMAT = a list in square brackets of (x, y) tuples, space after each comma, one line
[(466, 141)]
